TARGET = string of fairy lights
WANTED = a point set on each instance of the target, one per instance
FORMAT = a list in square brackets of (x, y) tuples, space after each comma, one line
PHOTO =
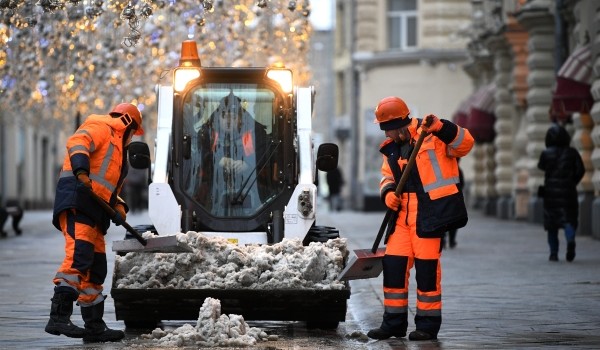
[(59, 58)]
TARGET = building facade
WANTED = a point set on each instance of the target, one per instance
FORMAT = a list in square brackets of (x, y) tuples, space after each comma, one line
[(516, 67), (542, 58)]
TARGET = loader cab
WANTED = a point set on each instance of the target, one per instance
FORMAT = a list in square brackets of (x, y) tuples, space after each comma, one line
[(234, 159)]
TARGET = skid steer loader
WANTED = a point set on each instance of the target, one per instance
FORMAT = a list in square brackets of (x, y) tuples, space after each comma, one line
[(255, 187)]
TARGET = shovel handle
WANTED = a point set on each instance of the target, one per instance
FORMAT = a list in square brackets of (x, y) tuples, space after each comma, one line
[(401, 183), (116, 217)]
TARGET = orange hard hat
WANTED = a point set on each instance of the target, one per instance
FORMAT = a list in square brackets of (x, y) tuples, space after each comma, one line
[(392, 113), (128, 113)]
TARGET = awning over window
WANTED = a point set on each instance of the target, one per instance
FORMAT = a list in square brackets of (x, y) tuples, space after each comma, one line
[(571, 93), (461, 116), (481, 115)]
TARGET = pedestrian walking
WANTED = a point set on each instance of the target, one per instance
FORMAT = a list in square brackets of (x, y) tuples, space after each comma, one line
[(135, 189), (14, 210), (430, 204), (335, 181), (563, 169), (95, 162)]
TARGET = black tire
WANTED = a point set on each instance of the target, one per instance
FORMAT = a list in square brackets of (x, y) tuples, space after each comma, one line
[(277, 226), (324, 325), (321, 234), (141, 324)]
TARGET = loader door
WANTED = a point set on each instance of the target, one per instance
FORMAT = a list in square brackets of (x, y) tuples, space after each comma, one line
[(232, 168)]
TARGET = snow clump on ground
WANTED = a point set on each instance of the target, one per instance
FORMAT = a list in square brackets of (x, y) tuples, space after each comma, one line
[(212, 329)]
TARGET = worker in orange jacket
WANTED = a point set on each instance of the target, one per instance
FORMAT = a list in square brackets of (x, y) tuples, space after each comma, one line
[(95, 161), (430, 204)]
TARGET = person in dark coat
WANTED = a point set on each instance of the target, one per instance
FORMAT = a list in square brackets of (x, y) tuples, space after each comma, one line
[(563, 169), (335, 181), (14, 210), (452, 233)]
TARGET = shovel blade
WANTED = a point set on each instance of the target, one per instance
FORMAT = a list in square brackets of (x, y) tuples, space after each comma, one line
[(363, 265), (161, 244)]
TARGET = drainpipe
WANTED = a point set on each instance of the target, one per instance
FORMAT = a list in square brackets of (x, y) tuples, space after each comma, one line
[(2, 160), (355, 122)]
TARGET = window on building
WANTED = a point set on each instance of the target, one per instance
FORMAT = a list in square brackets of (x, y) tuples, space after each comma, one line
[(340, 95), (402, 24), (340, 32)]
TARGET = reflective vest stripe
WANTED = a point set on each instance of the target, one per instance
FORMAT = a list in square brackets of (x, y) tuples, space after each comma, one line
[(437, 171), (93, 177), (91, 291), (106, 161), (103, 182), (83, 131), (66, 277), (78, 149), (459, 139)]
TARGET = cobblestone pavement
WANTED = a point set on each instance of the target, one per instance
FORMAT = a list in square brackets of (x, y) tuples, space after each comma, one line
[(499, 291)]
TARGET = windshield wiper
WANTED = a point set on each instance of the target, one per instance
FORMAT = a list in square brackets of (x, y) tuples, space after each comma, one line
[(239, 198)]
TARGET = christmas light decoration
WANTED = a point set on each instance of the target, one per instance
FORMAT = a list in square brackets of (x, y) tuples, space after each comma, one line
[(63, 57)]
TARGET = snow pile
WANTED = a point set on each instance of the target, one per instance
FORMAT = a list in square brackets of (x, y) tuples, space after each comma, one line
[(216, 263), (212, 329)]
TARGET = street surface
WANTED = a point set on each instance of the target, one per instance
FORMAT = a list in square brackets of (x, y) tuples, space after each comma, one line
[(499, 291)]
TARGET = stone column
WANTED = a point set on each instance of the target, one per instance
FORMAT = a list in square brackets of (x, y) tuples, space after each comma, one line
[(595, 114), (504, 112), (536, 17), (489, 178), (478, 185), (517, 36)]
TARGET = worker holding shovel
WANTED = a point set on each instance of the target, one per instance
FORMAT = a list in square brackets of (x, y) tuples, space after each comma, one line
[(425, 205), (93, 171)]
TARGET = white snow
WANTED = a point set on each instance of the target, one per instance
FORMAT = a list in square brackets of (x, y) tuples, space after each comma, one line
[(216, 263)]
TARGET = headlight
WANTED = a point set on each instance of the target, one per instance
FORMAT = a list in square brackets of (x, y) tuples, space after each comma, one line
[(283, 77), (184, 76)]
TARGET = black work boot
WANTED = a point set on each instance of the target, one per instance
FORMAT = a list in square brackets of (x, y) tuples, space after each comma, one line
[(421, 335), (60, 316), (393, 325), (95, 328)]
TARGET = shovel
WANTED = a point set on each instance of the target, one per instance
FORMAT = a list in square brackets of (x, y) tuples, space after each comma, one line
[(367, 263), (165, 244)]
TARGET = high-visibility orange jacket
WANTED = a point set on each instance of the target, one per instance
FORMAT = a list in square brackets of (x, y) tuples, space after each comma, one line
[(98, 148), (434, 179)]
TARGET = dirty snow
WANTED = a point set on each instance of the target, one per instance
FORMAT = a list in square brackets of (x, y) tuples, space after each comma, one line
[(216, 263), (212, 329)]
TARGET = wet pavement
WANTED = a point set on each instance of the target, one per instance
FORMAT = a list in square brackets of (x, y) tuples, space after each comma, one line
[(499, 291)]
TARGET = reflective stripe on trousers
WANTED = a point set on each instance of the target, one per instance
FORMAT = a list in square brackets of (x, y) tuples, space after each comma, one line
[(405, 250), (84, 268)]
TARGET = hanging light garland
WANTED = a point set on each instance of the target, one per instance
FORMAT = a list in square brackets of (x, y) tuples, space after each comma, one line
[(63, 57)]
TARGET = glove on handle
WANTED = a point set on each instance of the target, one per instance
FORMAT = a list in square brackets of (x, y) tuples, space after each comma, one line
[(432, 124), (84, 178), (392, 201)]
